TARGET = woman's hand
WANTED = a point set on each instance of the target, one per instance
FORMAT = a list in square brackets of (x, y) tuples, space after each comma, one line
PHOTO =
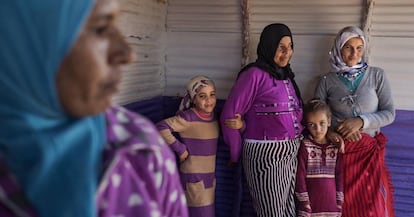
[(354, 137), (183, 156), (234, 123), (350, 128)]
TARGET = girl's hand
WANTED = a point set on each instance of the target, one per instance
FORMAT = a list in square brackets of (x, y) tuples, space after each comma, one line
[(234, 123), (336, 139), (183, 156)]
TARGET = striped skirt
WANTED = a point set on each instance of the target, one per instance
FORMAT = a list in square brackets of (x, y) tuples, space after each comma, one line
[(270, 168)]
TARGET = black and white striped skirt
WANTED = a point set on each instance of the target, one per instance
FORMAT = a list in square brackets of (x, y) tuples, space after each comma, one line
[(270, 168)]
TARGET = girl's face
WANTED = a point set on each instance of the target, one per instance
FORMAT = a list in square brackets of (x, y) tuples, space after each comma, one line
[(352, 51), (283, 52), (205, 100), (317, 123), (91, 71)]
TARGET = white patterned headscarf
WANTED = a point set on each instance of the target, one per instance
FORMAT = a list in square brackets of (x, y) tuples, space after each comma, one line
[(335, 58), (193, 86)]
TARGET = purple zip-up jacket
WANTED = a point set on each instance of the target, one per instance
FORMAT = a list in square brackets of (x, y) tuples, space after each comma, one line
[(270, 109)]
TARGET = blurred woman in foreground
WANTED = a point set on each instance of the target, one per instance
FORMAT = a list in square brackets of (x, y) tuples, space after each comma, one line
[(69, 150)]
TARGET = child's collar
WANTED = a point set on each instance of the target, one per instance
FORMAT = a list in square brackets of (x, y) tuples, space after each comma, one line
[(202, 114)]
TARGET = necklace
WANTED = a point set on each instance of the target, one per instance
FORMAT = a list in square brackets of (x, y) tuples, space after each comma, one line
[(351, 76)]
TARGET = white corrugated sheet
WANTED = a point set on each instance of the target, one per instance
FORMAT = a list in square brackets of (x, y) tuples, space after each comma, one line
[(393, 18), (211, 54), (304, 16), (203, 37), (392, 47), (204, 16), (142, 23)]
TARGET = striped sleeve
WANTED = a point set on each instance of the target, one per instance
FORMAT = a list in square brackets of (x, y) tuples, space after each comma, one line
[(168, 126)]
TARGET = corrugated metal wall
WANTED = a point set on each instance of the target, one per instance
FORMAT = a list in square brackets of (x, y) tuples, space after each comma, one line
[(203, 37), (392, 47), (182, 38), (143, 25)]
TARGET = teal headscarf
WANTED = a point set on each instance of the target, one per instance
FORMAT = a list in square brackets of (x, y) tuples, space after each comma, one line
[(55, 158)]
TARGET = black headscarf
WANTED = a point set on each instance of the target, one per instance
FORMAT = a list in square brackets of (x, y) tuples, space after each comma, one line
[(266, 49)]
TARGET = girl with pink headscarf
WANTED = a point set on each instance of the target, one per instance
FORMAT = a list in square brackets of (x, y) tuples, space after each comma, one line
[(198, 128)]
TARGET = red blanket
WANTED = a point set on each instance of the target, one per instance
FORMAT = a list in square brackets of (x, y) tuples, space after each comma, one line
[(367, 185)]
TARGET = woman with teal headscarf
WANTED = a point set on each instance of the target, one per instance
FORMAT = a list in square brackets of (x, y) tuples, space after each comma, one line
[(59, 66)]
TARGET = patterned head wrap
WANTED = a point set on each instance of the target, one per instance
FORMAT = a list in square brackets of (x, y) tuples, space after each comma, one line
[(335, 58), (193, 86)]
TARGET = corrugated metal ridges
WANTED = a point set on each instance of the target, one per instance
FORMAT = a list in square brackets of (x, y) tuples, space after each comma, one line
[(305, 17), (204, 16), (392, 46), (211, 54), (395, 56), (203, 37), (393, 18), (143, 25)]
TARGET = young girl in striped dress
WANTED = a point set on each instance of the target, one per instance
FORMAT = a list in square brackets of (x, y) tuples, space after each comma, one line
[(198, 128)]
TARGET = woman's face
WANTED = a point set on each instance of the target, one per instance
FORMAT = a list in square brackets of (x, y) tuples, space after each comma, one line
[(205, 100), (91, 71), (352, 51), (283, 52)]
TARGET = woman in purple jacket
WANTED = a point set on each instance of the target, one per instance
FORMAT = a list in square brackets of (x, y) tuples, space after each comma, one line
[(268, 99)]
